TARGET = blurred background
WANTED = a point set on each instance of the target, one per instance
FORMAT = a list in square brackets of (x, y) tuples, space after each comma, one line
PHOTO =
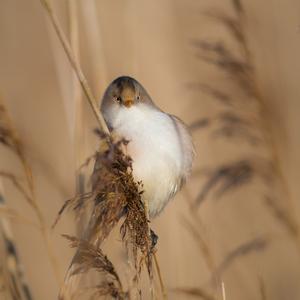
[(229, 69)]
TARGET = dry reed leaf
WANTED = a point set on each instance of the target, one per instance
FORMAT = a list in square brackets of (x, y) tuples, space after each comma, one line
[(214, 92), (237, 4), (231, 23), (199, 124), (16, 216), (90, 257), (203, 245), (8, 135), (16, 182), (232, 123), (257, 244), (282, 215), (217, 54), (114, 196), (225, 178)]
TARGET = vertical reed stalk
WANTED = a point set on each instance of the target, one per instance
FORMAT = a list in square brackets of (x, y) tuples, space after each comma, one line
[(15, 283)]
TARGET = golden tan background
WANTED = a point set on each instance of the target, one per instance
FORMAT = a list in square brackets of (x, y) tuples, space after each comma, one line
[(151, 41)]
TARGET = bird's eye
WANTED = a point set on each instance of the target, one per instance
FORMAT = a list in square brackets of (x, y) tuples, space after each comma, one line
[(118, 99), (138, 98)]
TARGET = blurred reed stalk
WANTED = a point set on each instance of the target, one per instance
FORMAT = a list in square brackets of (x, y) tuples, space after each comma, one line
[(243, 118), (241, 121), (237, 27), (10, 138), (12, 278)]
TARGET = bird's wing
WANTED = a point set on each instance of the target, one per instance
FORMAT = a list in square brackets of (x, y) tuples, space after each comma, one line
[(187, 148)]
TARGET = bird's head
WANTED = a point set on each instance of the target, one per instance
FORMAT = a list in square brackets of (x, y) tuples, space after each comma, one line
[(124, 94)]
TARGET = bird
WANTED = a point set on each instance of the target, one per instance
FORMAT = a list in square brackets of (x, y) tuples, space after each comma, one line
[(159, 143)]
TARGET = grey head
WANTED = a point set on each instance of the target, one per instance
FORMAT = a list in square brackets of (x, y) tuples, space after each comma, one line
[(123, 93)]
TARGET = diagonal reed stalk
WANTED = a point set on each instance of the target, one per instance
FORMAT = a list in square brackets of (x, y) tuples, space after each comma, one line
[(89, 96), (72, 59)]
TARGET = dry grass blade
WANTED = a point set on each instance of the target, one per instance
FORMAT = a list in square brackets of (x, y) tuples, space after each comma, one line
[(76, 203), (13, 214), (161, 282), (14, 180), (199, 124), (226, 177), (216, 53), (204, 249), (235, 125), (282, 215), (90, 257), (8, 136), (237, 4), (212, 91), (195, 292), (255, 245), (231, 23)]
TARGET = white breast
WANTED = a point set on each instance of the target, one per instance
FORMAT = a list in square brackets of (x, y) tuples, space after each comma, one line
[(161, 149)]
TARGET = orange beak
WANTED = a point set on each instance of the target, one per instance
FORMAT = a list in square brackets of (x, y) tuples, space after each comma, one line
[(128, 103)]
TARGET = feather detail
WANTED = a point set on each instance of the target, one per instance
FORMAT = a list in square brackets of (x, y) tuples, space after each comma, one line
[(161, 148)]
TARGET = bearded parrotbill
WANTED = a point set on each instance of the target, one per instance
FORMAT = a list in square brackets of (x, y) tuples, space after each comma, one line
[(159, 143)]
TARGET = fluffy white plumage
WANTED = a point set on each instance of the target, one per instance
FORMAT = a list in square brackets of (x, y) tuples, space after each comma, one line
[(160, 146), (161, 151)]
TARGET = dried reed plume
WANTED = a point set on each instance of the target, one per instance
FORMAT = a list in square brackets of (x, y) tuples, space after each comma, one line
[(244, 122), (91, 257), (243, 118), (115, 195)]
